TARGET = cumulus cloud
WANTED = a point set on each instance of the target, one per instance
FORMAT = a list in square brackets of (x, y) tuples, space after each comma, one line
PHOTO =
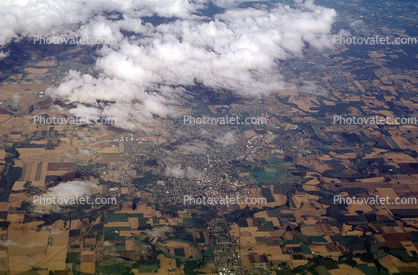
[(48, 18), (141, 75), (10, 243), (83, 153), (193, 173), (158, 232), (63, 194), (174, 171), (3, 54), (308, 87), (227, 139), (233, 3), (359, 27), (131, 107), (16, 100)]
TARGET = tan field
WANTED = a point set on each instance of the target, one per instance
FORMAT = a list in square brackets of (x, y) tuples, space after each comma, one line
[(249, 133), (4, 117), (42, 155), (55, 258), (4, 206), (392, 263), (36, 71), (88, 267), (88, 262), (18, 185), (47, 63), (27, 242), (310, 188), (249, 245), (60, 237), (16, 77), (7, 125)]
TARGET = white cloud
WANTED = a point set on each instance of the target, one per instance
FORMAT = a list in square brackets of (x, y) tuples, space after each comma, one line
[(26, 18), (9, 243), (83, 153), (3, 54), (193, 173), (16, 100), (236, 50), (62, 194), (174, 171), (227, 139), (308, 87), (158, 232)]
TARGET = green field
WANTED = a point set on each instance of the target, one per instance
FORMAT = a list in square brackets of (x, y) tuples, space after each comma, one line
[(272, 171)]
